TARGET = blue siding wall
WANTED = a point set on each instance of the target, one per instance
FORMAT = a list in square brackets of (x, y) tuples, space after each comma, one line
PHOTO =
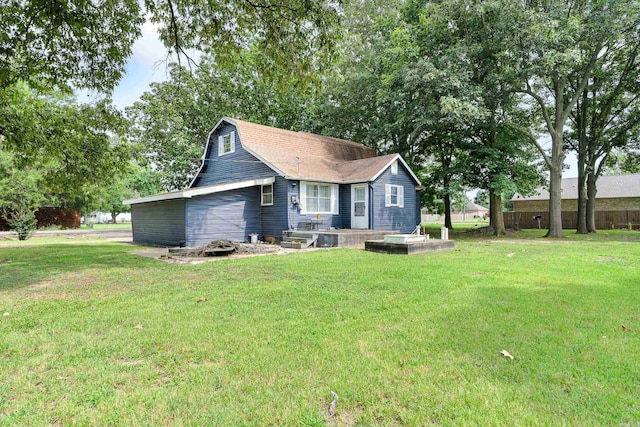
[(159, 223), (403, 219), (237, 166), (275, 218), (230, 215)]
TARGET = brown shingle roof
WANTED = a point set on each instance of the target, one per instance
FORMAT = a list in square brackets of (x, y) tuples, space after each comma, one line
[(609, 187), (303, 155)]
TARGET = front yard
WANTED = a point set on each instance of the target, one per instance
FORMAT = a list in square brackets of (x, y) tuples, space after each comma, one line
[(93, 335)]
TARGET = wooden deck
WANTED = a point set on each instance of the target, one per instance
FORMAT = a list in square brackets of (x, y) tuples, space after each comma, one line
[(408, 248)]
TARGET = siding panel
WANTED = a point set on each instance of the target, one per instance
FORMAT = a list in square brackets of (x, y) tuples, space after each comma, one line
[(275, 218), (403, 219), (159, 223), (230, 215), (237, 166)]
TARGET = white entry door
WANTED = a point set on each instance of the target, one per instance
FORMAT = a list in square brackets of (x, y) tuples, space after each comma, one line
[(359, 206)]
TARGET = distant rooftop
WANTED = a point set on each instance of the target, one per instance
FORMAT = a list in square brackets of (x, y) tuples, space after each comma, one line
[(609, 187)]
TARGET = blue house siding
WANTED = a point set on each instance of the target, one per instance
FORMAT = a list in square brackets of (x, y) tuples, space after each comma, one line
[(395, 218), (237, 166), (230, 215), (275, 218), (159, 223)]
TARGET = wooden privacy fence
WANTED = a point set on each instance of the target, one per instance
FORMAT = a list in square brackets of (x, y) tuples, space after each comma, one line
[(604, 219), (47, 217)]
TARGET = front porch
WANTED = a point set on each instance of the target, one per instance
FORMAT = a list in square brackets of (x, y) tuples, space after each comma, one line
[(336, 238)]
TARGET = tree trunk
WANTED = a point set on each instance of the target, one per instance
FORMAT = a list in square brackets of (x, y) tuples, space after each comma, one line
[(492, 209), (498, 221), (447, 211), (582, 202), (114, 216), (581, 123), (555, 165), (591, 201), (555, 199)]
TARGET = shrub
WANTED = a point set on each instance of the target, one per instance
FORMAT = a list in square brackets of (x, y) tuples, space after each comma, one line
[(22, 222)]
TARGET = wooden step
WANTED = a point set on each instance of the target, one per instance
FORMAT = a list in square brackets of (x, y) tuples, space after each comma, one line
[(299, 240)]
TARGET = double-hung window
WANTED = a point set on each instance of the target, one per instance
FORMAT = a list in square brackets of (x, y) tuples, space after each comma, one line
[(226, 143), (267, 195), (394, 195), (318, 198)]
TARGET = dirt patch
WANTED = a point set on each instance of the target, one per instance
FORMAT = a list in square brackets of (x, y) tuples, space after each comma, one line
[(222, 247), (611, 259), (208, 252), (41, 285)]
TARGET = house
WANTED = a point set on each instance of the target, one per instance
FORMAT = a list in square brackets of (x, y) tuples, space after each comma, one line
[(617, 204), (257, 179), (615, 193), (98, 217), (473, 210)]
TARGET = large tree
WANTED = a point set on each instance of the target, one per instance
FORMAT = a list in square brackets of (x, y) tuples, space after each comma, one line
[(606, 117), (555, 43), (66, 43), (71, 145)]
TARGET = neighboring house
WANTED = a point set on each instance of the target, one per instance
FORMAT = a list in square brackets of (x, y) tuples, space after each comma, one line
[(473, 211), (264, 180), (615, 193), (97, 217)]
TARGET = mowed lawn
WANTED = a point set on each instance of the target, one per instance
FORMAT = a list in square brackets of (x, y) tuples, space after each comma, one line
[(93, 335)]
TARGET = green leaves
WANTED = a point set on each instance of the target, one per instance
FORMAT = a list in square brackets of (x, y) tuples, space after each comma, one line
[(58, 44), (70, 145)]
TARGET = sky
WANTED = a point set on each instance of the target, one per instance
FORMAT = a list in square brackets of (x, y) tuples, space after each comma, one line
[(147, 64)]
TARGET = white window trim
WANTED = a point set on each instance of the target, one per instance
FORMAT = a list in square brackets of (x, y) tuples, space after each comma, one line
[(262, 193), (387, 196), (334, 198), (232, 141)]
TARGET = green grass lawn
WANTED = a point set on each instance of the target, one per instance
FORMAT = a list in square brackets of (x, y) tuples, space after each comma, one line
[(96, 336), (117, 226)]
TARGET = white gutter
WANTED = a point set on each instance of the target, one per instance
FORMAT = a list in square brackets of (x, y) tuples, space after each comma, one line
[(200, 191)]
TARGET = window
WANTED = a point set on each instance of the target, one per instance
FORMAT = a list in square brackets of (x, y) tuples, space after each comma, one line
[(267, 195), (226, 144), (394, 168), (394, 195), (318, 198)]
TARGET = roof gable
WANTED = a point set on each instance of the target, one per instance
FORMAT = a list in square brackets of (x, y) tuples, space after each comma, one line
[(307, 156)]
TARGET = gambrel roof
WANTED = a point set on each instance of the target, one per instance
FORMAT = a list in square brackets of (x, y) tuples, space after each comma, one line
[(307, 156), (609, 187)]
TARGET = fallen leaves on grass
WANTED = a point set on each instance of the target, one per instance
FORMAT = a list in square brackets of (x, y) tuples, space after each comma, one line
[(333, 406), (510, 255), (506, 354), (625, 329), (202, 300), (138, 326)]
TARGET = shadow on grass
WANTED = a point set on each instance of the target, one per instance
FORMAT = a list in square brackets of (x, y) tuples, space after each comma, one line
[(29, 265)]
